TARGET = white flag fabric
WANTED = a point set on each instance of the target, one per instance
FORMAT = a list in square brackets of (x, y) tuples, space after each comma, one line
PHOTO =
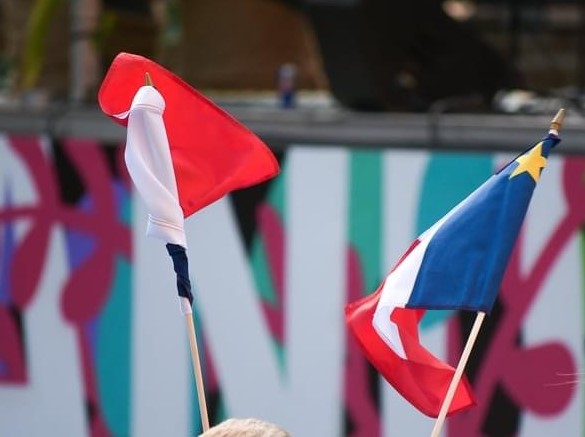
[(148, 159)]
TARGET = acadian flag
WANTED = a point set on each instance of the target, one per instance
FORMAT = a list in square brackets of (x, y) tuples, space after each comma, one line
[(182, 151), (456, 264)]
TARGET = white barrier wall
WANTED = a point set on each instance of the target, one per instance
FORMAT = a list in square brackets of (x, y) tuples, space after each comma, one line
[(92, 342)]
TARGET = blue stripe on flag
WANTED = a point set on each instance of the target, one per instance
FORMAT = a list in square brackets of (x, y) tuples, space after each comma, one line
[(466, 259)]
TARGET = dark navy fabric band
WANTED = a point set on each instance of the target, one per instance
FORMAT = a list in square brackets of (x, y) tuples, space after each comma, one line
[(181, 267)]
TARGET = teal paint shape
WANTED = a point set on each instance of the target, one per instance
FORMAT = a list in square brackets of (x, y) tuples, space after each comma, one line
[(126, 210), (261, 274), (276, 193), (365, 213), (265, 289), (258, 258), (449, 178), (113, 357)]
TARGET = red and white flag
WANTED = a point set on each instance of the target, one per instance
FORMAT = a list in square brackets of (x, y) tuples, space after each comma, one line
[(183, 152), (211, 152)]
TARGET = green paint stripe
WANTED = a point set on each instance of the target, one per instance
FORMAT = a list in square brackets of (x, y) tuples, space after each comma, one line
[(365, 213), (262, 277), (259, 258), (276, 195), (113, 357)]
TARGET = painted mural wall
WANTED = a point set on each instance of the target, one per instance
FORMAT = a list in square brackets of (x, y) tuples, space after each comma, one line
[(92, 342)]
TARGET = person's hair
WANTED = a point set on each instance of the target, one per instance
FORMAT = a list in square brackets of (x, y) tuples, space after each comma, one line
[(245, 428)]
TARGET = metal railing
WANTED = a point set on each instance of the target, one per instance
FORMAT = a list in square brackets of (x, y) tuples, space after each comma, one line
[(280, 128)]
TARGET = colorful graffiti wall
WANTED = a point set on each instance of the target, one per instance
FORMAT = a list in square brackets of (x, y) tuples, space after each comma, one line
[(92, 342)]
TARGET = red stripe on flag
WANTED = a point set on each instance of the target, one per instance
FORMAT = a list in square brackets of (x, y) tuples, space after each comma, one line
[(422, 379)]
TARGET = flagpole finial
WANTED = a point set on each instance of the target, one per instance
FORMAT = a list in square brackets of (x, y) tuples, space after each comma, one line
[(557, 121), (147, 79)]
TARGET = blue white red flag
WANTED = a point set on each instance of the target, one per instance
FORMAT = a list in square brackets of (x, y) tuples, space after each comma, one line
[(458, 263)]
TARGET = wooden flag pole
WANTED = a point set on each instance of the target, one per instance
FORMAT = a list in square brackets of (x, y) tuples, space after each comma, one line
[(188, 312), (458, 374), (555, 127), (197, 371), (147, 79)]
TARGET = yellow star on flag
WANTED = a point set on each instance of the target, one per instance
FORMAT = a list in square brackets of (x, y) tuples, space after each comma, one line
[(532, 163)]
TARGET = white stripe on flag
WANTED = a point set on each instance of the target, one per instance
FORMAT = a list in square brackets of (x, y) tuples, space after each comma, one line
[(399, 285), (149, 162)]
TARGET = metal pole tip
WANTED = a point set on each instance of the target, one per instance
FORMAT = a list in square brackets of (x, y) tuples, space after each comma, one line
[(557, 121)]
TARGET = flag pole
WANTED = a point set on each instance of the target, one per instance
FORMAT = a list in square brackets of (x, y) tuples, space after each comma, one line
[(458, 374), (187, 311), (147, 79), (557, 122), (555, 127), (196, 364)]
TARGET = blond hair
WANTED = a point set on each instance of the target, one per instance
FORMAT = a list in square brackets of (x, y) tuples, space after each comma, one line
[(245, 428)]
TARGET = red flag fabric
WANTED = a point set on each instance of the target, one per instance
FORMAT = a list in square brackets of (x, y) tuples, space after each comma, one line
[(212, 153), (419, 376)]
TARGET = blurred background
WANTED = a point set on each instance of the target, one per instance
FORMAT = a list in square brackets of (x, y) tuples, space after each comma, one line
[(364, 55), (383, 115)]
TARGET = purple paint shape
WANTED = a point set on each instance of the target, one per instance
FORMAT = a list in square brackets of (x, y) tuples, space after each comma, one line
[(122, 197), (6, 251), (3, 369), (80, 245), (120, 193)]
